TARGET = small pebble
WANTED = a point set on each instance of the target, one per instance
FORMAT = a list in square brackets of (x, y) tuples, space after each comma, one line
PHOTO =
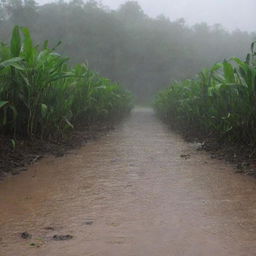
[(62, 237), (89, 222), (185, 156), (25, 235), (49, 228)]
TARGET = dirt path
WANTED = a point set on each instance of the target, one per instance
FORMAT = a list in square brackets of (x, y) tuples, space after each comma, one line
[(130, 194)]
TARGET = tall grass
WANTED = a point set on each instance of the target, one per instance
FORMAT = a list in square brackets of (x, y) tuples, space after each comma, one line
[(41, 96), (220, 101)]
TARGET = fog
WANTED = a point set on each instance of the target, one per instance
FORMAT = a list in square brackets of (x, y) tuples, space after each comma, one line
[(132, 44), (232, 14)]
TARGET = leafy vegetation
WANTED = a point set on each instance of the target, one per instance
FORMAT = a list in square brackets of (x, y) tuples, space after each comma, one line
[(219, 101), (40, 95), (142, 53)]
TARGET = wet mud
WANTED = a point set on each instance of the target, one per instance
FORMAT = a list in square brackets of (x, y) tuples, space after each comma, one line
[(15, 158), (139, 191)]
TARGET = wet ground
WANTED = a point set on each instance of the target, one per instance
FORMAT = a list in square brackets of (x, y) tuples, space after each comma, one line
[(140, 191)]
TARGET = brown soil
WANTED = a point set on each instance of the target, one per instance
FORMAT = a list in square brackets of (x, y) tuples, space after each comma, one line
[(139, 191), (15, 159), (241, 156)]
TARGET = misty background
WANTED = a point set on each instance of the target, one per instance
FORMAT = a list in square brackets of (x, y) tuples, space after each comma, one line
[(142, 45)]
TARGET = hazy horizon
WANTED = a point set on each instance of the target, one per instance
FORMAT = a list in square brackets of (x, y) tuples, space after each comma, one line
[(231, 14)]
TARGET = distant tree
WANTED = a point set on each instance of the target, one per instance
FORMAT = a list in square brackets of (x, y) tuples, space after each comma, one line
[(22, 12), (142, 53), (131, 10)]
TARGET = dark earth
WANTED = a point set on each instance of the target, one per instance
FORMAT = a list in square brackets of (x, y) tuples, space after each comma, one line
[(15, 159)]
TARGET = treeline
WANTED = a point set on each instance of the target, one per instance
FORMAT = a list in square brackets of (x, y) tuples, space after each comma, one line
[(142, 53)]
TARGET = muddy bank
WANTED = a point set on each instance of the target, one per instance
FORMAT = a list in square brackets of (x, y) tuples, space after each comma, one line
[(141, 190), (16, 157), (241, 156)]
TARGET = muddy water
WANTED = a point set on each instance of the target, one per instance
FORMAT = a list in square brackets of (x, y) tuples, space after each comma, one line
[(130, 194)]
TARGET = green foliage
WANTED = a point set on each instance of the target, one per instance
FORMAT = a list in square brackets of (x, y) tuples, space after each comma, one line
[(42, 96), (126, 45), (220, 101)]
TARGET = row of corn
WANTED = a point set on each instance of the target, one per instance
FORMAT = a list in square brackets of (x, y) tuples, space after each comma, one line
[(220, 101), (42, 96)]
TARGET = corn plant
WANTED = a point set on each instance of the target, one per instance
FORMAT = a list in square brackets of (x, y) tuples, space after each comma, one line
[(42, 96), (219, 101)]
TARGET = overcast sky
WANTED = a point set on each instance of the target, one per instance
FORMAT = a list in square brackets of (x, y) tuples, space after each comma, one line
[(232, 14)]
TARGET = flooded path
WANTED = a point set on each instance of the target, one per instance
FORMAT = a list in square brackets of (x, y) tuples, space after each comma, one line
[(130, 194)]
